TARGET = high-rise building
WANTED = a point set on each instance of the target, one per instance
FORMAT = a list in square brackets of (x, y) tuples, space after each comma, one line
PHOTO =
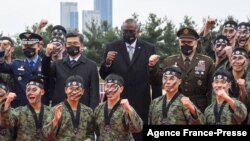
[(69, 15), (105, 9), (89, 16)]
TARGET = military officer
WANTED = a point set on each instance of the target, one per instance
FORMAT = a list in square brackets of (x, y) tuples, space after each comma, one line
[(22, 70), (174, 107), (27, 119), (197, 70), (116, 119), (225, 110), (72, 120)]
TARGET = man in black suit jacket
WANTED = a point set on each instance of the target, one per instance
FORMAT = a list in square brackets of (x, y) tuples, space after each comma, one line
[(73, 64), (128, 58)]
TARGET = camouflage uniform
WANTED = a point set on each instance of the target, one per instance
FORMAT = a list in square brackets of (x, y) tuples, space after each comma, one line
[(22, 118), (121, 125), (5, 134), (228, 116), (196, 77), (177, 113), (64, 130)]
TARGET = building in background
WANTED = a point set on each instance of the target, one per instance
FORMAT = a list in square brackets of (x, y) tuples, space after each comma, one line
[(105, 9), (69, 15), (89, 16)]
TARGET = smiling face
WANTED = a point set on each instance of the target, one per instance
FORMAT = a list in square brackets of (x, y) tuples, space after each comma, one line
[(243, 36), (219, 84), (34, 94), (238, 62)]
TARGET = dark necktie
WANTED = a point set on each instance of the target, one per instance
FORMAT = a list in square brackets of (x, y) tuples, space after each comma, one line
[(187, 62), (31, 64), (130, 52), (72, 62)]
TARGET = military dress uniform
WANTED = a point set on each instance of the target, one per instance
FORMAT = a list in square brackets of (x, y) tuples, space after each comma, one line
[(120, 127), (65, 130), (21, 72), (227, 115), (196, 78), (22, 118), (177, 114)]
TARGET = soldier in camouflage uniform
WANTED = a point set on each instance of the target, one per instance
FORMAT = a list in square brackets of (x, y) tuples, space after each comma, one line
[(243, 39), (116, 120), (240, 87), (221, 49), (174, 107), (27, 119), (197, 70), (72, 120), (5, 134), (229, 30), (225, 110)]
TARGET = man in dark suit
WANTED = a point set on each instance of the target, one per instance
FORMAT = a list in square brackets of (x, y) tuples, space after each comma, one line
[(73, 64), (128, 57)]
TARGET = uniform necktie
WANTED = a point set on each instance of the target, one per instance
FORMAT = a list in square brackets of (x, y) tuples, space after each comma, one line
[(130, 52), (31, 64), (186, 61)]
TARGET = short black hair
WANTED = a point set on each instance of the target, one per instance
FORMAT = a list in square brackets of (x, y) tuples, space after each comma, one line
[(9, 39), (74, 34)]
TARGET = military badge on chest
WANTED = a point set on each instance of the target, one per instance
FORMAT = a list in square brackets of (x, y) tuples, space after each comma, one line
[(200, 68)]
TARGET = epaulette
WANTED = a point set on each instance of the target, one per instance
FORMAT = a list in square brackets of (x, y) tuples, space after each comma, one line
[(18, 60), (205, 56)]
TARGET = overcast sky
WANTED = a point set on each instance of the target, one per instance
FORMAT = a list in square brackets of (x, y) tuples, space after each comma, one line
[(17, 14)]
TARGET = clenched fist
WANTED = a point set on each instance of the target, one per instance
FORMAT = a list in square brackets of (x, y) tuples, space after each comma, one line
[(153, 59), (110, 57)]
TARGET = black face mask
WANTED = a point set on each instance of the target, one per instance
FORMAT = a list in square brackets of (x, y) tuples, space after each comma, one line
[(186, 50), (129, 37), (29, 52), (73, 50)]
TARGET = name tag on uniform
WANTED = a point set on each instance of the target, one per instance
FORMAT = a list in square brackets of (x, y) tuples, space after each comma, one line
[(21, 68)]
